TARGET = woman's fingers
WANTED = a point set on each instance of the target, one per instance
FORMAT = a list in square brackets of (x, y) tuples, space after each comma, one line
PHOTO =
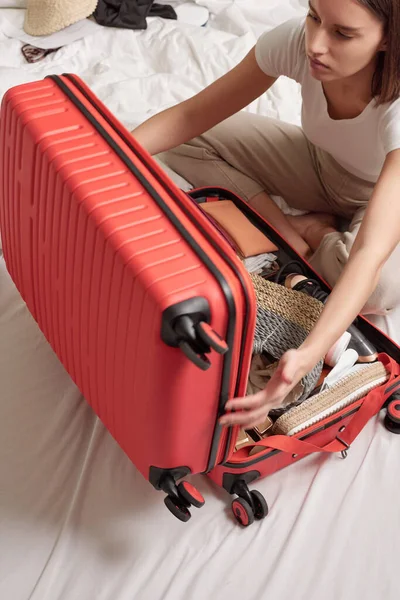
[(254, 409), (247, 419), (252, 412), (247, 403)]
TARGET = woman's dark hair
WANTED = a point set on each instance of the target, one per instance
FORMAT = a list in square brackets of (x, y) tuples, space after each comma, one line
[(386, 81)]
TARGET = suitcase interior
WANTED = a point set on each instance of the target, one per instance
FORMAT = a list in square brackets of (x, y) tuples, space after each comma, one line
[(239, 466)]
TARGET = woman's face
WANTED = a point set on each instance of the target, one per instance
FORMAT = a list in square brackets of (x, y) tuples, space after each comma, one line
[(342, 38)]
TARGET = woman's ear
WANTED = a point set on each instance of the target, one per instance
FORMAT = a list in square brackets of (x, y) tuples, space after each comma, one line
[(384, 45)]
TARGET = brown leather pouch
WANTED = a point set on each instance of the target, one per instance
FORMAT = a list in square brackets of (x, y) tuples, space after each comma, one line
[(249, 240)]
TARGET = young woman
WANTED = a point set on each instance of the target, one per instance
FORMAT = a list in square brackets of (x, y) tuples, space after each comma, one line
[(344, 162)]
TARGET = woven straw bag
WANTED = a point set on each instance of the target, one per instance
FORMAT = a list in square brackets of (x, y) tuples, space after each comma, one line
[(284, 320)]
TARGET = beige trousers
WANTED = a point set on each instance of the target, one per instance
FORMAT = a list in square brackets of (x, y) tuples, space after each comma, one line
[(250, 153)]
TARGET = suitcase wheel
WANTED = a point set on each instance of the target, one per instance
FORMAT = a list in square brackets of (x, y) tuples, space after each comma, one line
[(189, 493), (392, 419), (253, 498), (178, 509), (260, 505), (242, 512)]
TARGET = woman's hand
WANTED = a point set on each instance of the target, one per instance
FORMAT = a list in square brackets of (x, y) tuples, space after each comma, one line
[(254, 409)]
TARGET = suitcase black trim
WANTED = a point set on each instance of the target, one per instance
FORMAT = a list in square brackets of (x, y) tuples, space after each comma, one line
[(227, 365)]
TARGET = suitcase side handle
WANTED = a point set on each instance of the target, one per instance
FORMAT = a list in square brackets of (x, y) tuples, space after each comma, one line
[(371, 405)]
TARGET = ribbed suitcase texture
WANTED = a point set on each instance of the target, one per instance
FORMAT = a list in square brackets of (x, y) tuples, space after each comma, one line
[(97, 262)]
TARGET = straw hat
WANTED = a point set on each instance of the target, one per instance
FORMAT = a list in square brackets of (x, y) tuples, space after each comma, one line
[(44, 17)]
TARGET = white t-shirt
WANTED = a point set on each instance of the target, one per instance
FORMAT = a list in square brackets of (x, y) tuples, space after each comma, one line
[(360, 145)]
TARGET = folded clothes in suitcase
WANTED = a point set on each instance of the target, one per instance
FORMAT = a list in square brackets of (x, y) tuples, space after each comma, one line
[(148, 304)]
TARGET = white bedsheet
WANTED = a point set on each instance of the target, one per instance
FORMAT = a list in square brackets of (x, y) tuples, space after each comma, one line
[(77, 522)]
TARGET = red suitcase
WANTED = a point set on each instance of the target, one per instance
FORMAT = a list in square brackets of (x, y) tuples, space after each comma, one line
[(144, 302)]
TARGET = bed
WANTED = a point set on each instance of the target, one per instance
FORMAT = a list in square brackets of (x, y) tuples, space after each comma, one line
[(77, 521)]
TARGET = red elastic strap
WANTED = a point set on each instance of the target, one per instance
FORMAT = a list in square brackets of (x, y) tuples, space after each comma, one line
[(371, 405)]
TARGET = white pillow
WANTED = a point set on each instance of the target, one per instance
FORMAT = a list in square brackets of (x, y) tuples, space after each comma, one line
[(13, 3)]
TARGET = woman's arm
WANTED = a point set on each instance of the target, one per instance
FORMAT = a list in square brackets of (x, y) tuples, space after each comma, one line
[(214, 104), (378, 236), (220, 100)]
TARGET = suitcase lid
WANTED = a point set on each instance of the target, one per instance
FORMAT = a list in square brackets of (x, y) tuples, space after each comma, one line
[(225, 286)]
